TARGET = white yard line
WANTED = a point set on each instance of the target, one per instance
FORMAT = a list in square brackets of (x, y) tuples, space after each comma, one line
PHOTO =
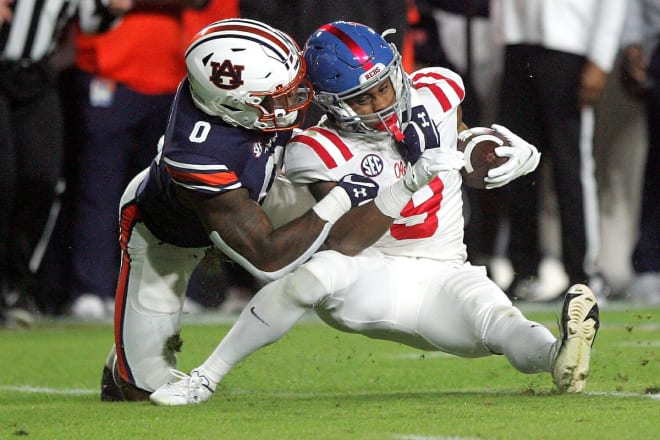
[(28, 389)]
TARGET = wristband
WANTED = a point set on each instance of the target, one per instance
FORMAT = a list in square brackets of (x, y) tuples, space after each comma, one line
[(392, 199), (335, 204)]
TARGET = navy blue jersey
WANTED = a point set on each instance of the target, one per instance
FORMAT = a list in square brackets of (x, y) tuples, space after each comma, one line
[(203, 154)]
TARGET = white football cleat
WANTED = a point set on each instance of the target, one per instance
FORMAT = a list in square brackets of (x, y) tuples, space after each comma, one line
[(579, 325), (188, 390)]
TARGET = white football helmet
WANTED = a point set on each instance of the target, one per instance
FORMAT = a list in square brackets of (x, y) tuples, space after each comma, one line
[(249, 74)]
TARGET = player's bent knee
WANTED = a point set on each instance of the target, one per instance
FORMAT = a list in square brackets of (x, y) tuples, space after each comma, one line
[(303, 287), (333, 270)]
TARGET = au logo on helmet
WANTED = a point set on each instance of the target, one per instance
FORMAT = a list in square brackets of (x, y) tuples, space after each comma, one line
[(226, 75)]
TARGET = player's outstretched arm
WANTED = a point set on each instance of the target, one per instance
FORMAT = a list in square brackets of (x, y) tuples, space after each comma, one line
[(356, 230), (239, 227)]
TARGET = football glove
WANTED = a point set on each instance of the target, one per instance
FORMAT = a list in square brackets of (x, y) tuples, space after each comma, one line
[(523, 159), (360, 189), (391, 200), (415, 141), (430, 163)]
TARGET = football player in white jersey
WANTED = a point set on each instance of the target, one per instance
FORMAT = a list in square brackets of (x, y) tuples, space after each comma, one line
[(413, 284)]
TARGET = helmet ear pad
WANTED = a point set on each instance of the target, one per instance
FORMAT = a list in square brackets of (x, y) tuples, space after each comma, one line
[(345, 60), (249, 74)]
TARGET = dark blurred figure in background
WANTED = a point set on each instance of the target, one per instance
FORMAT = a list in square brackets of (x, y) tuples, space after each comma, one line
[(118, 105), (31, 130), (429, 50), (557, 59), (124, 103), (641, 78), (217, 281)]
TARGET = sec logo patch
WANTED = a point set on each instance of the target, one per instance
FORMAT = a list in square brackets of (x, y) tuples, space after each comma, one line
[(372, 165)]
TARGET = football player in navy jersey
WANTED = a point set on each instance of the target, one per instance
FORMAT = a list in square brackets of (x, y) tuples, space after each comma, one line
[(413, 285), (244, 93)]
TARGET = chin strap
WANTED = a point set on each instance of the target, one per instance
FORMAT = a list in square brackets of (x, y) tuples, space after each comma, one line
[(391, 125)]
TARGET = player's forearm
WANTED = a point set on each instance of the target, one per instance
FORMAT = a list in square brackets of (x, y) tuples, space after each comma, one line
[(358, 229), (267, 253), (287, 243)]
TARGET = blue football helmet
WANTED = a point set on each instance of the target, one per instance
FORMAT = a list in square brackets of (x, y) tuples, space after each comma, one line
[(346, 59)]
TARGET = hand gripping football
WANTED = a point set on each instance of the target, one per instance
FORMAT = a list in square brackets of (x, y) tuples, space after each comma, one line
[(478, 144)]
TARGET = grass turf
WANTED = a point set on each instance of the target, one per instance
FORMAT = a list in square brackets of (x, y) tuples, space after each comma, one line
[(322, 384)]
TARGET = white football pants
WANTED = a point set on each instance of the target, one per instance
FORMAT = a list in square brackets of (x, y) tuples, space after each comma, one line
[(149, 300), (423, 303)]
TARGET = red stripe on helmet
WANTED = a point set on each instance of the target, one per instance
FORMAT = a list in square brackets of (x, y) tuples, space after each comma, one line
[(358, 52), (218, 27)]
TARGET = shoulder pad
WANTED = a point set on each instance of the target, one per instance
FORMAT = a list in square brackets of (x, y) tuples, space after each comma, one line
[(439, 86)]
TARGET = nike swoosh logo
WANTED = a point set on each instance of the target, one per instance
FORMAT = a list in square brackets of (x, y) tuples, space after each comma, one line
[(258, 317)]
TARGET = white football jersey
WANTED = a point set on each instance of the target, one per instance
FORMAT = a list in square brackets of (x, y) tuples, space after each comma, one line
[(431, 224)]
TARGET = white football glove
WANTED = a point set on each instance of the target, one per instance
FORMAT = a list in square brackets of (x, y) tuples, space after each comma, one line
[(523, 159), (392, 199), (429, 164)]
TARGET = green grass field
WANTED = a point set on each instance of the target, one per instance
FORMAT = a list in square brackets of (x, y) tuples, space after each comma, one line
[(317, 383)]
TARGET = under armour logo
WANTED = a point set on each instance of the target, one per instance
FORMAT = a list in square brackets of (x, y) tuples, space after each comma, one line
[(359, 193), (226, 75), (422, 116), (360, 189)]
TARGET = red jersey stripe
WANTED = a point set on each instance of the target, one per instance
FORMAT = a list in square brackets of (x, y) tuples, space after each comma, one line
[(439, 95), (211, 179), (452, 83), (318, 149), (336, 140)]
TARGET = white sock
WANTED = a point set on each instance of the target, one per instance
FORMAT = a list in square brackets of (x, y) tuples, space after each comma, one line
[(526, 344)]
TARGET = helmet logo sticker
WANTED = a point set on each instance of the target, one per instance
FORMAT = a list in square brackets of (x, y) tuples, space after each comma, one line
[(226, 75), (372, 165), (372, 72)]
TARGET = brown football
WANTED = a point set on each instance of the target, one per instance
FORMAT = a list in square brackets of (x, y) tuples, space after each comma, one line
[(478, 144)]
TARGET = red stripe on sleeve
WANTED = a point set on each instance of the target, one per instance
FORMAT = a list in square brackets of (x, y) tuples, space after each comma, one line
[(439, 95), (336, 140), (436, 90), (211, 179), (318, 149)]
